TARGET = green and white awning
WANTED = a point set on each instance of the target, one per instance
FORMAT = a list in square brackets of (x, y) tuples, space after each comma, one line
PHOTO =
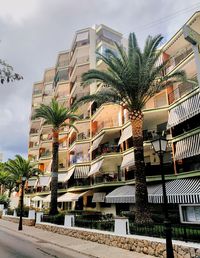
[(98, 197), (44, 181), (128, 160), (81, 172), (184, 111), (178, 191), (126, 133), (188, 147), (95, 168)]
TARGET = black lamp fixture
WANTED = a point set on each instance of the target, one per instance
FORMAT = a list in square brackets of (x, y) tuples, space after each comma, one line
[(23, 180), (160, 146)]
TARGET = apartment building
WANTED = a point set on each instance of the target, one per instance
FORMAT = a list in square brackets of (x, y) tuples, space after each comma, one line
[(96, 163)]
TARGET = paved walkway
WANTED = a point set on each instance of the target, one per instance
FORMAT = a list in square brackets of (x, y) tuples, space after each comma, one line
[(92, 249)]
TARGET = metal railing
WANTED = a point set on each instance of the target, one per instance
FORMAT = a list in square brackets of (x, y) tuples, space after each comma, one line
[(180, 91)]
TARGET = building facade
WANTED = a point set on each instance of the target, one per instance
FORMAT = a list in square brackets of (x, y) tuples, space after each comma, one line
[(96, 163)]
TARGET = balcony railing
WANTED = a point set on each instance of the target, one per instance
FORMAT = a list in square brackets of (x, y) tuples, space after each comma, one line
[(33, 144), (177, 58), (37, 92), (34, 131), (46, 137), (105, 124), (45, 154), (180, 91), (106, 178), (105, 149), (79, 159)]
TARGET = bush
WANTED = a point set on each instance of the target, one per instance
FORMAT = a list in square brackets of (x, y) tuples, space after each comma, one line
[(4, 200), (55, 219)]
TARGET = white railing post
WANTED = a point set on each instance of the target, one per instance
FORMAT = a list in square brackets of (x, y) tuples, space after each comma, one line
[(15, 213), (69, 221), (31, 214), (39, 216), (121, 226)]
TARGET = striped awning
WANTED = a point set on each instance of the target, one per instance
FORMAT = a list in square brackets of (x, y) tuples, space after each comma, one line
[(47, 198), (185, 110), (71, 197), (70, 173), (122, 194), (62, 177), (95, 167), (126, 133), (98, 197), (96, 142), (81, 172), (179, 191), (128, 160), (37, 198), (188, 147), (32, 182), (44, 181)]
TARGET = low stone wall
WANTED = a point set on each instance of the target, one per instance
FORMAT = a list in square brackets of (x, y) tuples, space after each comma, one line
[(26, 221), (140, 244)]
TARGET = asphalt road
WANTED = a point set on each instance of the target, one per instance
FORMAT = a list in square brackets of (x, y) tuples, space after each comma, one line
[(13, 245)]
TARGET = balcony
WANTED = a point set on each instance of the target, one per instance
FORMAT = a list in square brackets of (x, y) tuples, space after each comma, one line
[(180, 91), (37, 92), (46, 137), (45, 154), (34, 131), (79, 158), (178, 58), (106, 178), (106, 149), (104, 124), (33, 145)]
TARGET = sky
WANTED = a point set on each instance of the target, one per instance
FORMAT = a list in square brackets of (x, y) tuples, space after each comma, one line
[(33, 32)]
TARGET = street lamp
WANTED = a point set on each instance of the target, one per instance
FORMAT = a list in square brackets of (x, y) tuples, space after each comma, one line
[(21, 202), (160, 145)]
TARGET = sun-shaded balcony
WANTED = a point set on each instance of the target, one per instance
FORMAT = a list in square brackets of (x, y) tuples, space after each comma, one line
[(181, 90), (79, 153), (108, 116), (106, 143), (37, 89), (178, 57), (45, 153)]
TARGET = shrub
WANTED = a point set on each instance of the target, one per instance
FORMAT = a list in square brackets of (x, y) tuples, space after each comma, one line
[(4, 200)]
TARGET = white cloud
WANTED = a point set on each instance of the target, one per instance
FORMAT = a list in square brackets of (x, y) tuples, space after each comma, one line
[(16, 11)]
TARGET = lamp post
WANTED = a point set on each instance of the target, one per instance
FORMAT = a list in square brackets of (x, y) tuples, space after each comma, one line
[(160, 145), (21, 203)]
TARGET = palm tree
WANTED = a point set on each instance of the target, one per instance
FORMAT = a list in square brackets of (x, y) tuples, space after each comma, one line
[(56, 116), (18, 168), (130, 80), (7, 182)]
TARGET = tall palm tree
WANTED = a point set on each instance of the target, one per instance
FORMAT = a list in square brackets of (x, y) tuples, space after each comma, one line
[(131, 79), (55, 115), (18, 168)]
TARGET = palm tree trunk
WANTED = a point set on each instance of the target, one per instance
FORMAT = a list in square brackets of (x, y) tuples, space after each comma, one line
[(142, 211), (54, 175)]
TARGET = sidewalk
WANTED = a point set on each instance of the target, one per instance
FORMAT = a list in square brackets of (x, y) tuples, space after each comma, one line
[(92, 249)]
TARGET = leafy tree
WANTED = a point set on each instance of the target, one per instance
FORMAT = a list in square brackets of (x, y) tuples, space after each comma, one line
[(20, 167), (7, 73), (131, 79), (57, 116)]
